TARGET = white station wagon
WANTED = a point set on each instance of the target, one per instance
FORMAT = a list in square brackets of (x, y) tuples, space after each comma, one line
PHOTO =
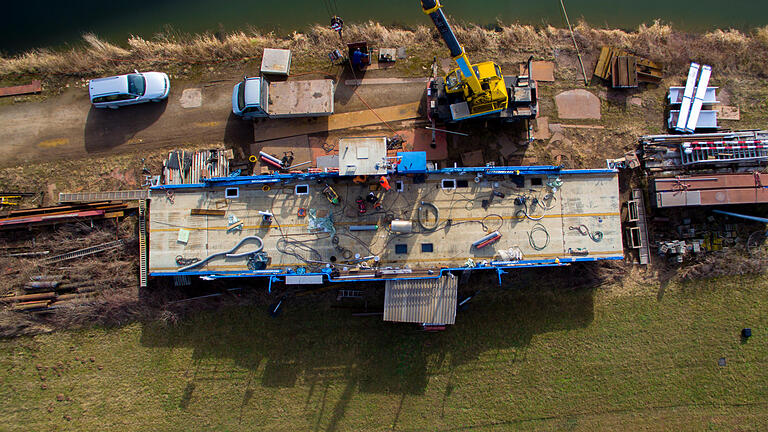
[(139, 87)]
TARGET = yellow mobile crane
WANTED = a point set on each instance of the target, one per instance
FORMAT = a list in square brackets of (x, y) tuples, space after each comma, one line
[(474, 90)]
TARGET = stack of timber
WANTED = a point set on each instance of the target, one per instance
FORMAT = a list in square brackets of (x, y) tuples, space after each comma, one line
[(46, 293), (624, 70), (710, 189), (739, 151), (183, 167), (61, 214)]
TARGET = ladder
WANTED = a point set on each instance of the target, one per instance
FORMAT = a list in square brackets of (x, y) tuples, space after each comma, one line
[(642, 224), (142, 243), (128, 195), (723, 151), (345, 293), (84, 252)]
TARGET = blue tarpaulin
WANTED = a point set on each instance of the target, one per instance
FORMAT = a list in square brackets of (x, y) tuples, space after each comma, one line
[(412, 162)]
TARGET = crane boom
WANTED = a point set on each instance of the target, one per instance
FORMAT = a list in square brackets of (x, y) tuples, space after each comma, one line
[(433, 8), (479, 88)]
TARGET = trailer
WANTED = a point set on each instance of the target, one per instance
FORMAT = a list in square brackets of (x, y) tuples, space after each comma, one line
[(256, 97)]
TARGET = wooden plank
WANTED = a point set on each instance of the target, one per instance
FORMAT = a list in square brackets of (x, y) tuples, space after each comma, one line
[(728, 112), (603, 66), (385, 81), (207, 212), (291, 127), (33, 87), (573, 126)]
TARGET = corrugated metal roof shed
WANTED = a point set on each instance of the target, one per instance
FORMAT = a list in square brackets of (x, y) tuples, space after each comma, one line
[(422, 301)]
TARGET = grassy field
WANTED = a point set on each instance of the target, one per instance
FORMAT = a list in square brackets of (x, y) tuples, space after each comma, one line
[(527, 358)]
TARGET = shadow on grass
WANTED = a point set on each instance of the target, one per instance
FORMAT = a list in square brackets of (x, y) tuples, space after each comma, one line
[(319, 344)]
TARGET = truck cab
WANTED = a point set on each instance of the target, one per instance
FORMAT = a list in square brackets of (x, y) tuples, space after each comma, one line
[(247, 98)]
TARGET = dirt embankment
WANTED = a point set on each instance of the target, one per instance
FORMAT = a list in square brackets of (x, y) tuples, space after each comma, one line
[(728, 51)]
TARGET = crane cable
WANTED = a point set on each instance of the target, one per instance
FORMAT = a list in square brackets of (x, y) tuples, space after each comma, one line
[(332, 8)]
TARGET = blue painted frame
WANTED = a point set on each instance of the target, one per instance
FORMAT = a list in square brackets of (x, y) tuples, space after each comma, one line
[(275, 275)]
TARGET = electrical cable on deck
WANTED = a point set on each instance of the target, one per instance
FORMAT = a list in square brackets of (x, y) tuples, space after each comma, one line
[(596, 236), (421, 221), (538, 228)]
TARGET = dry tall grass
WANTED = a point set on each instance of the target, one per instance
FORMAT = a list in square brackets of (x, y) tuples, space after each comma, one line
[(726, 50)]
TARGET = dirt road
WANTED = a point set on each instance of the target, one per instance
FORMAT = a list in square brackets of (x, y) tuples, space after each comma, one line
[(66, 127)]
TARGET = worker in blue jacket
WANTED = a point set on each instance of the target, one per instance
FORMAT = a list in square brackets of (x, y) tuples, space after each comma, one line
[(358, 57)]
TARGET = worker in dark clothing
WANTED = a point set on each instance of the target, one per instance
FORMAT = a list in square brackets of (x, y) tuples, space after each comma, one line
[(358, 57)]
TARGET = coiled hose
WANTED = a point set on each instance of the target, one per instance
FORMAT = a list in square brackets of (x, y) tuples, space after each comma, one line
[(419, 216), (229, 253), (538, 227)]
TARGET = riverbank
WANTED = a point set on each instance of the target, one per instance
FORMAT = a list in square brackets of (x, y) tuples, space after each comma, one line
[(727, 51)]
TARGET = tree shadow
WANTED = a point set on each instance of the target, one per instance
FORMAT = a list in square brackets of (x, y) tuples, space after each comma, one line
[(106, 128)]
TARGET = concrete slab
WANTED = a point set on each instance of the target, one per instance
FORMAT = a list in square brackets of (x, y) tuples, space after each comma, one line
[(636, 101), (541, 71), (578, 104), (191, 98), (541, 131)]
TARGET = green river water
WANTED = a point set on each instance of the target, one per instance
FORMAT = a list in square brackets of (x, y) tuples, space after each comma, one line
[(60, 23)]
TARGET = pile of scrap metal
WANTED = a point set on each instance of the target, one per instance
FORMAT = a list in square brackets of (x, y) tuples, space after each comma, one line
[(46, 293), (624, 70), (629, 161), (183, 167), (699, 238), (61, 214), (677, 249), (740, 151)]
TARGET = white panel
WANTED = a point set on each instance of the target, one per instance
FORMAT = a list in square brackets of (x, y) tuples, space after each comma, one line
[(685, 106), (304, 280)]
